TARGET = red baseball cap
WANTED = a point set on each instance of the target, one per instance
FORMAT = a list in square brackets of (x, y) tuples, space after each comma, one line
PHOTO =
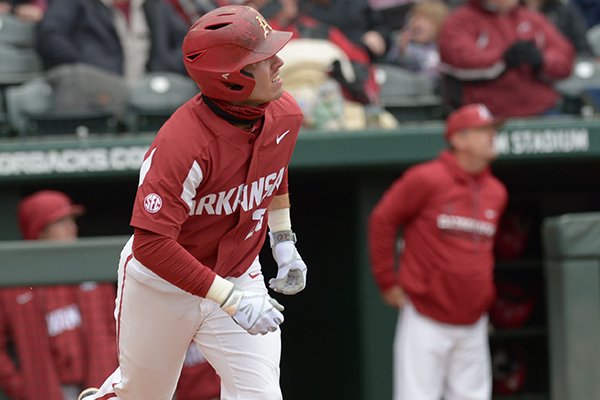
[(41, 208), (469, 117)]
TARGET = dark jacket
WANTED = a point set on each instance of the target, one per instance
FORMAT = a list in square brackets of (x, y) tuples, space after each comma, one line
[(590, 10), (353, 17), (82, 31), (570, 22)]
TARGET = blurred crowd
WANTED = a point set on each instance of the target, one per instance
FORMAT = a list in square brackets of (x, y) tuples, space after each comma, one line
[(353, 64)]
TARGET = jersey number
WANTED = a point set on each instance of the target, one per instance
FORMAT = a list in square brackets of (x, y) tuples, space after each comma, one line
[(257, 215)]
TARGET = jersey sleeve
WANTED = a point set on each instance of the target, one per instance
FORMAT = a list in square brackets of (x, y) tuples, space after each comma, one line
[(284, 187), (168, 179)]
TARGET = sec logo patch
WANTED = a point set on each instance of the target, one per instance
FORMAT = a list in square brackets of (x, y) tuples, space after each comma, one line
[(152, 203)]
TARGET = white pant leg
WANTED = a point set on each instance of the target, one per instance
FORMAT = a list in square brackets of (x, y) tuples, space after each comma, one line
[(469, 373), (421, 351), (247, 364), (156, 322)]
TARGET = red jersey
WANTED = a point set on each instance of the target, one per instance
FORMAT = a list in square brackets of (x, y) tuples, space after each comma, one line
[(449, 219), (207, 184), (472, 44), (63, 334)]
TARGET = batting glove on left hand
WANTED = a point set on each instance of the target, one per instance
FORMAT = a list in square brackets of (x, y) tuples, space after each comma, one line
[(291, 274), (257, 313)]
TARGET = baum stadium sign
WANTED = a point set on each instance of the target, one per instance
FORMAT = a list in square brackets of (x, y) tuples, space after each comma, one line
[(545, 141)]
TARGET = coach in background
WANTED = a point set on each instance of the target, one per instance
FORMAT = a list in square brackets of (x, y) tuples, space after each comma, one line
[(449, 209), (499, 53), (63, 336)]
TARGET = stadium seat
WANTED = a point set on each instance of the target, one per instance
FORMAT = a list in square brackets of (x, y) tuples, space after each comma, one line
[(593, 37), (407, 95), (581, 87), (32, 97), (80, 123), (15, 32), (19, 61), (155, 97), (4, 126), (30, 112)]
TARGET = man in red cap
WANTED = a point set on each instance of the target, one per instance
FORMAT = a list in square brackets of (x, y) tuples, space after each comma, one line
[(449, 210), (49, 214), (62, 337)]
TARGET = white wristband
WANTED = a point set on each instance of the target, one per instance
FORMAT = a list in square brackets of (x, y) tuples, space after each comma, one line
[(279, 220), (219, 290)]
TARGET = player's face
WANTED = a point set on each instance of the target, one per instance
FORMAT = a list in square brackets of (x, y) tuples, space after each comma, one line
[(269, 85), (503, 6), (479, 143), (63, 230)]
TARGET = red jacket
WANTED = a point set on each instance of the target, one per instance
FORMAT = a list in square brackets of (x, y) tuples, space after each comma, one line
[(449, 219), (472, 44), (29, 316)]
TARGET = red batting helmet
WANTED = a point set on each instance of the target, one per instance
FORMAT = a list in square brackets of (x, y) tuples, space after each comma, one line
[(509, 368), (224, 41), (514, 305)]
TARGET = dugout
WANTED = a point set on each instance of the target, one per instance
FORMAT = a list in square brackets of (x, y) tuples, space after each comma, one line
[(337, 334), (572, 266)]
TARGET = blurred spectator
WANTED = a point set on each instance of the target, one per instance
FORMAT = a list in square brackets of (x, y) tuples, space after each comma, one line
[(501, 54), (590, 10), (62, 337), (198, 379), (416, 46), (455, 3), (364, 88), (94, 48), (362, 24), (568, 19), (25, 10), (191, 10), (126, 37)]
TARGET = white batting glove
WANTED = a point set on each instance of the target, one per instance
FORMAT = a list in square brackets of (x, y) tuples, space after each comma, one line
[(291, 274), (257, 313)]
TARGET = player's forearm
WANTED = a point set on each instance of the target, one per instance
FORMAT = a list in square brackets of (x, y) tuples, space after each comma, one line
[(279, 202), (279, 214), (169, 260)]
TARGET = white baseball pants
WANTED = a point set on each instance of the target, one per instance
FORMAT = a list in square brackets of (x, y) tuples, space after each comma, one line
[(156, 321), (434, 361)]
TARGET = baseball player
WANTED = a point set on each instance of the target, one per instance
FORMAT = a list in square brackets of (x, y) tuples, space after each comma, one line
[(54, 339), (449, 210), (211, 185)]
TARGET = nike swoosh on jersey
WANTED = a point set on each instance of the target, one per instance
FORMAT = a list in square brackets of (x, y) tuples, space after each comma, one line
[(280, 137)]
